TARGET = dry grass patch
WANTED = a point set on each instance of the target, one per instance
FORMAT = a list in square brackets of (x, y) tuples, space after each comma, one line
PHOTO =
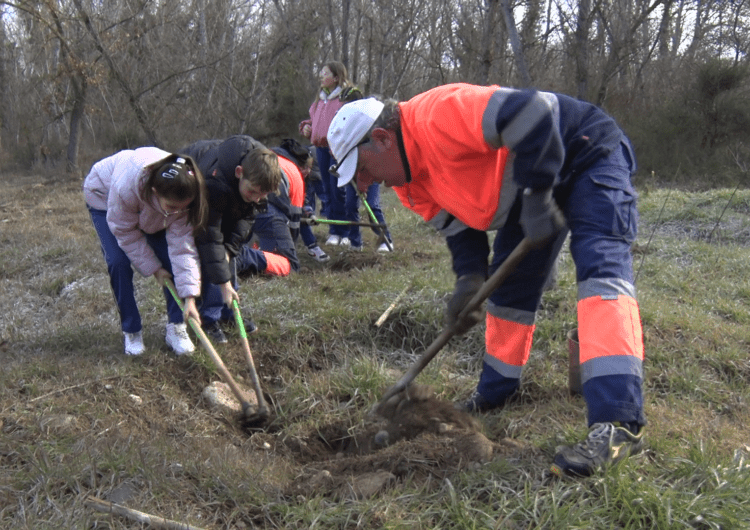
[(79, 419)]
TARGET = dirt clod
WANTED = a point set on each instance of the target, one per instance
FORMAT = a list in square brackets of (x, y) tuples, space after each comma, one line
[(416, 437), (366, 485), (416, 410)]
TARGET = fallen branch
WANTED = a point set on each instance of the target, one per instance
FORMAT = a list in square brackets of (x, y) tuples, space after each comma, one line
[(61, 390), (391, 307), (134, 515)]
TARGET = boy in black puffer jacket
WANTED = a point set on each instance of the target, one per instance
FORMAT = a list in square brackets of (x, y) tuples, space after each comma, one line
[(240, 173)]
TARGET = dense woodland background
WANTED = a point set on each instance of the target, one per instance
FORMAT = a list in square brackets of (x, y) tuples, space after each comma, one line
[(81, 79)]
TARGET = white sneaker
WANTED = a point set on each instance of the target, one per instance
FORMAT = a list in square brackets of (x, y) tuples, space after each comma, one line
[(318, 254), (134, 343), (333, 241), (384, 247), (345, 242), (178, 339)]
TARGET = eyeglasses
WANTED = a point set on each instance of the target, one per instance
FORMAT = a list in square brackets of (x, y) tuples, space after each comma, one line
[(334, 169)]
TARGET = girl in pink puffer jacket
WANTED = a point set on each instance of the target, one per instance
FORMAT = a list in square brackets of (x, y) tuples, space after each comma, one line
[(145, 205)]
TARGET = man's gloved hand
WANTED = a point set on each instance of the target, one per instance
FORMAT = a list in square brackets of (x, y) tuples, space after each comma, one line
[(466, 287), (541, 219)]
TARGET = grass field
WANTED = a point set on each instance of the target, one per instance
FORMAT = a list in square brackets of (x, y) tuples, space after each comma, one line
[(80, 421)]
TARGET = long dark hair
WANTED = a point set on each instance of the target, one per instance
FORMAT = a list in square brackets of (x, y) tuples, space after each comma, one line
[(178, 178)]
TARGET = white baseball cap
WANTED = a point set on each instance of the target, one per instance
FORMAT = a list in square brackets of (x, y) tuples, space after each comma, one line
[(348, 128)]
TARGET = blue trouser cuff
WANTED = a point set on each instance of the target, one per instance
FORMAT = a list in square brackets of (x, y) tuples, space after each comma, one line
[(495, 387), (614, 398), (250, 260)]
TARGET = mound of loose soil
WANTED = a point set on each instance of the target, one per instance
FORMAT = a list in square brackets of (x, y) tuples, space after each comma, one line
[(415, 436)]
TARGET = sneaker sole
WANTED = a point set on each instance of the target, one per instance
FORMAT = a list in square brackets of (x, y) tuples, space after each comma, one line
[(176, 352), (319, 260)]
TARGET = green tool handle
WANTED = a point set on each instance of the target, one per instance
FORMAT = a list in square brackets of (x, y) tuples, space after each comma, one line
[(238, 319), (254, 379), (309, 221), (215, 357), (382, 227)]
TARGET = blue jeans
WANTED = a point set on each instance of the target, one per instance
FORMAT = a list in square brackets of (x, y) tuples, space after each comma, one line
[(352, 212), (121, 273), (308, 237), (212, 307), (315, 188), (336, 195), (273, 234)]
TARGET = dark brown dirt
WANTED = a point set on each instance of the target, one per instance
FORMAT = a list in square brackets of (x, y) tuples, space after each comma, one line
[(427, 438)]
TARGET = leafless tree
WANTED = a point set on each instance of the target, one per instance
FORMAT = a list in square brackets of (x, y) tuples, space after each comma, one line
[(82, 76), (515, 43)]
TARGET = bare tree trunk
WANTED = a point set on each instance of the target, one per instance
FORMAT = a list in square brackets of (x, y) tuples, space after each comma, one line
[(677, 31), (515, 43), (355, 61), (200, 8), (485, 63), (332, 29), (4, 87), (345, 9), (76, 124), (140, 114), (79, 85), (622, 44), (697, 29), (663, 37), (581, 49), (547, 29)]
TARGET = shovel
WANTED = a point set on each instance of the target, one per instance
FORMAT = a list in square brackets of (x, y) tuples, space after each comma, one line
[(492, 283), (261, 415), (247, 408)]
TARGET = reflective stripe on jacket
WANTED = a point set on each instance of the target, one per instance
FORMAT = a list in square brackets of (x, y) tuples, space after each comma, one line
[(455, 172)]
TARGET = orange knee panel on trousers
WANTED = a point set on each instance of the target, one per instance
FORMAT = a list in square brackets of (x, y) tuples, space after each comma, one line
[(609, 327), (508, 342), (277, 265)]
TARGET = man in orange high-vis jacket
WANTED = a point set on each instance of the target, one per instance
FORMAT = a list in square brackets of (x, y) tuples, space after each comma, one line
[(470, 159)]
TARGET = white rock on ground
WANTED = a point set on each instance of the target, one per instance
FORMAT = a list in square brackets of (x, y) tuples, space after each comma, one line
[(219, 395)]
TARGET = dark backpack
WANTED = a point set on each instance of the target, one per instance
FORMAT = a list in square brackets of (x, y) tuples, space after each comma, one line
[(296, 149), (351, 93)]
